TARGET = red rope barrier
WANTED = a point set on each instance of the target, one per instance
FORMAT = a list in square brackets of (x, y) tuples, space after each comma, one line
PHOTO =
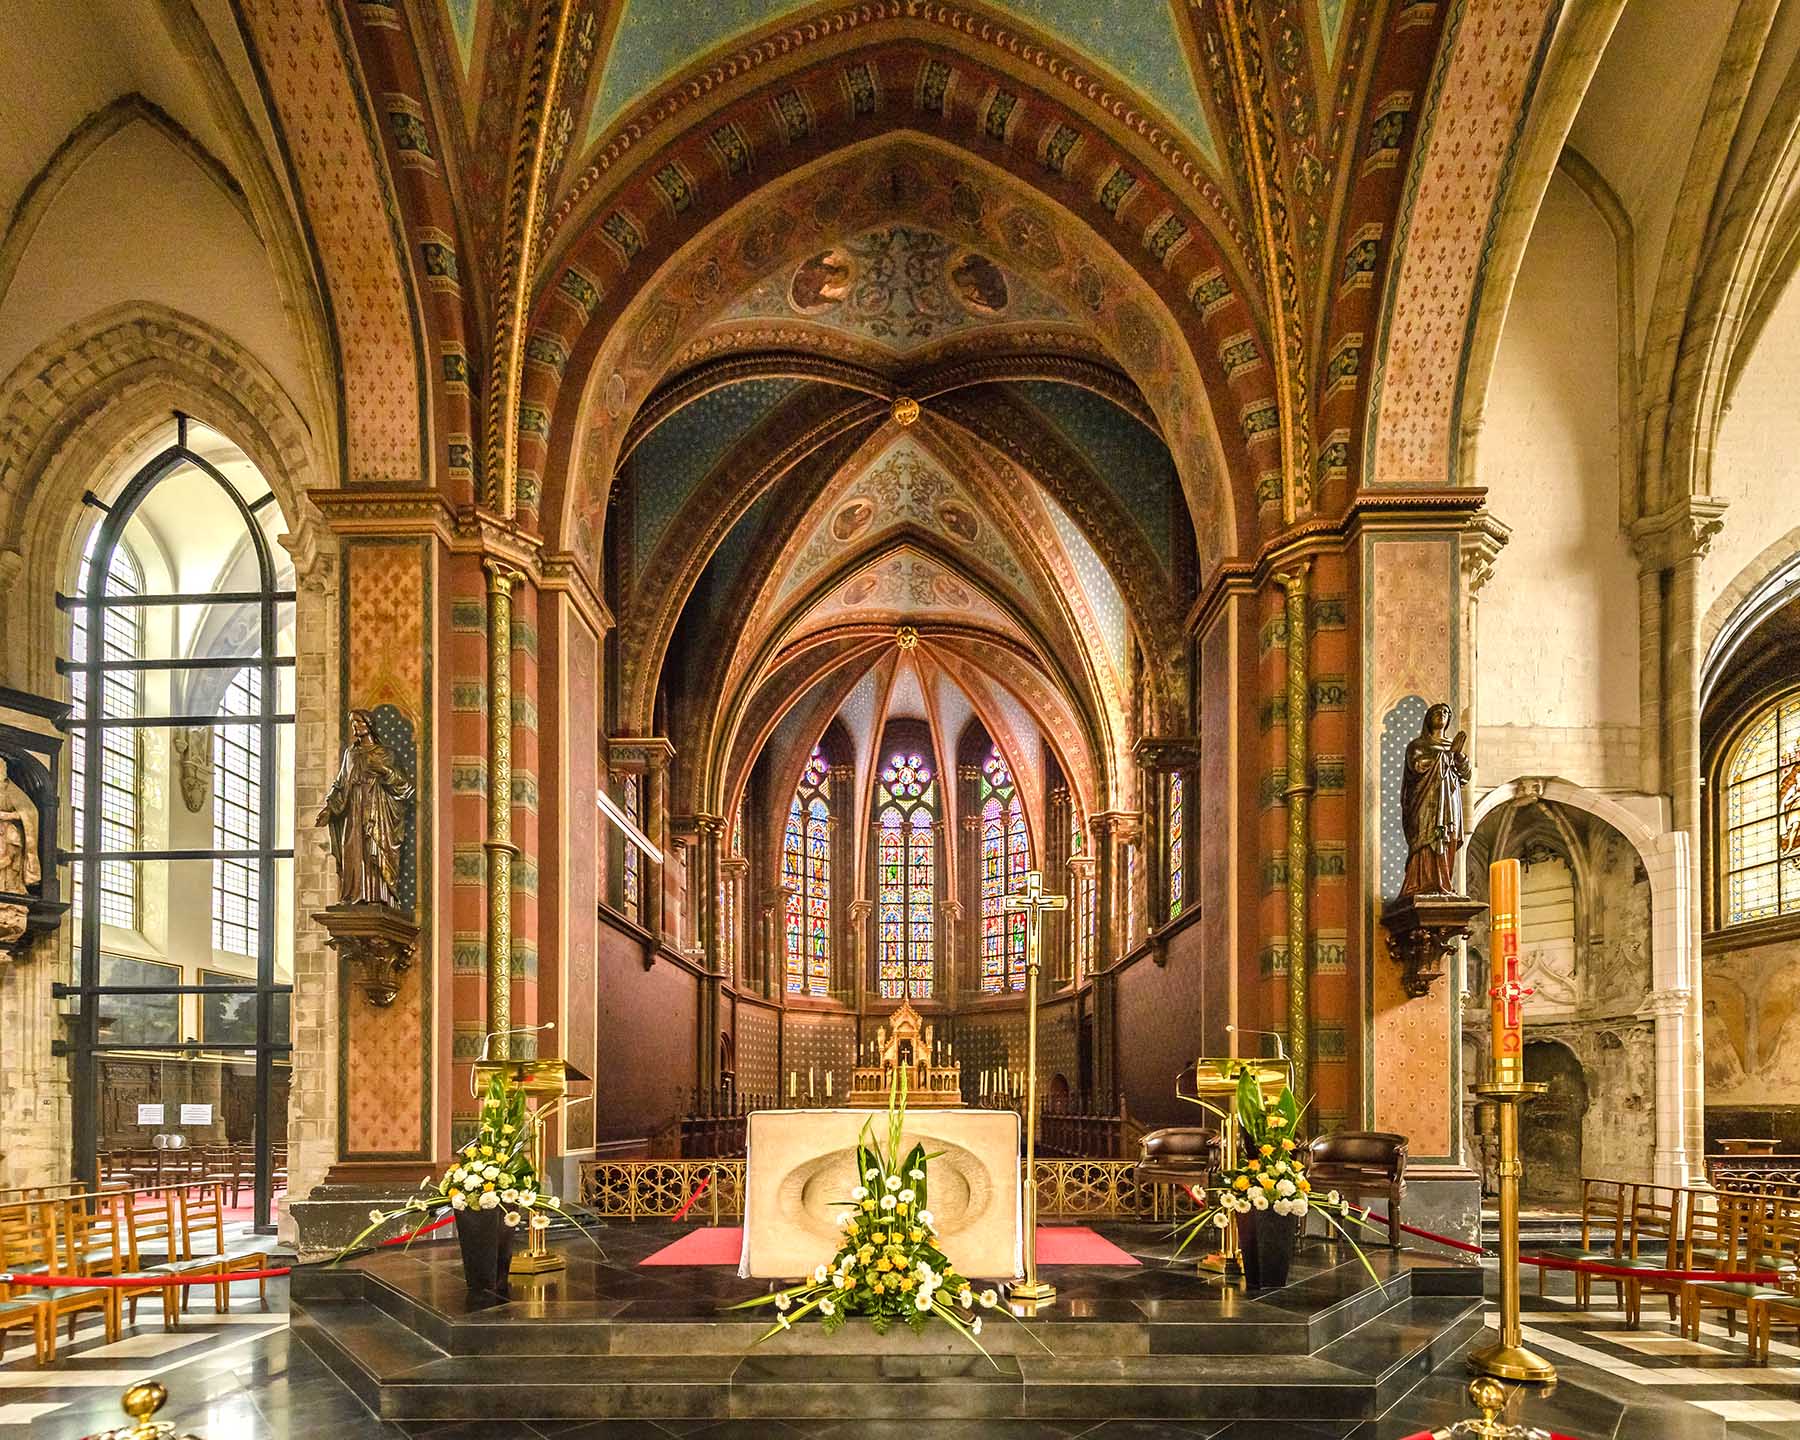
[(1454, 1244), (699, 1190), (136, 1282)]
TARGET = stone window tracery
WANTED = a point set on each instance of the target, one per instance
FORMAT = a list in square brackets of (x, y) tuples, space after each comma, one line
[(806, 876), (906, 806), (1005, 857)]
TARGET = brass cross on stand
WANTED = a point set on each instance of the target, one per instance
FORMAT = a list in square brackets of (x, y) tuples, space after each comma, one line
[(1028, 1297)]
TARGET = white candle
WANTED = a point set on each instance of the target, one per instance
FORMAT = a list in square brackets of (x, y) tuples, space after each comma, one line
[(811, 1080), (827, 1084), (793, 1084)]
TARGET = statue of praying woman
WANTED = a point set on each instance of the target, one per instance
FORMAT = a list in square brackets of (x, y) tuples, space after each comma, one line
[(365, 814), (1431, 805)]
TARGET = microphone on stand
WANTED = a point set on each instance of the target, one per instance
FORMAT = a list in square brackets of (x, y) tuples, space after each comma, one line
[(488, 1039), (1279, 1037)]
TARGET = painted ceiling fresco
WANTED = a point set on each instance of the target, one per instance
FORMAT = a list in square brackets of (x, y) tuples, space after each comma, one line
[(901, 288), (907, 586), (1136, 41)]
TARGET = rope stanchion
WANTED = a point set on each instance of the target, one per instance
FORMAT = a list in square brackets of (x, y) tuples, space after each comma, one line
[(1374, 1217)]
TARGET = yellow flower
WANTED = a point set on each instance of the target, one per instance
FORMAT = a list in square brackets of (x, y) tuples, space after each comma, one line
[(487, 1150), (1241, 1183), (1303, 1186), (1254, 1166), (1267, 1182), (1266, 1150), (915, 1236), (907, 1283), (868, 1204), (879, 1237), (487, 1187), (1287, 1144), (884, 1264)]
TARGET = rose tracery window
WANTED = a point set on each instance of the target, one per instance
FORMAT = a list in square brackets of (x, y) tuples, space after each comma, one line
[(1761, 820), (906, 877), (1004, 861), (806, 875)]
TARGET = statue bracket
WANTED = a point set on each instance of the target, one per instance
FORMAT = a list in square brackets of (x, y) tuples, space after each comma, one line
[(377, 942), (24, 920), (1423, 931)]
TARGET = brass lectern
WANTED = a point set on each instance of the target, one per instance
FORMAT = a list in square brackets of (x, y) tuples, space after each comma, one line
[(1214, 1090), (545, 1081)]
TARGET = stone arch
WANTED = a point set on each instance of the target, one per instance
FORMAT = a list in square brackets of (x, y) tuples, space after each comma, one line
[(591, 411), (1754, 593), (1674, 1000), (79, 406)]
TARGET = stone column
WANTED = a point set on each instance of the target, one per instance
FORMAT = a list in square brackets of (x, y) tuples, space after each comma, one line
[(1672, 545), (1113, 830), (843, 832), (769, 947), (861, 951), (1669, 1011), (734, 872), (703, 888)]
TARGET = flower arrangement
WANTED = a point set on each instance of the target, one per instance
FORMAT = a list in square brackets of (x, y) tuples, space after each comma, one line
[(889, 1266), (1270, 1176), (493, 1171)]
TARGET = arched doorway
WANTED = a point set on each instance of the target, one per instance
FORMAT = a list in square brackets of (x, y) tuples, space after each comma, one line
[(1550, 1136), (180, 662)]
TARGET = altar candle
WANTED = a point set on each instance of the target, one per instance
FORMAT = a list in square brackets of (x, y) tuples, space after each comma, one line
[(811, 1080), (827, 1084), (1507, 994), (793, 1084)]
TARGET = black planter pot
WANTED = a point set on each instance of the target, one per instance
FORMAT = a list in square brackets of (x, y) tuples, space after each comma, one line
[(487, 1248), (1267, 1242)]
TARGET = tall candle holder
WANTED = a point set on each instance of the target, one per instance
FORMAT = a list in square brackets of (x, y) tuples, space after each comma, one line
[(1033, 1293), (1508, 1358)]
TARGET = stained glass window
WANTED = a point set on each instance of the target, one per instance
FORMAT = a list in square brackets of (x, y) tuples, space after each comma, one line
[(1084, 892), (1004, 861), (634, 859), (122, 697), (1176, 835), (905, 877), (237, 812), (1761, 831), (806, 872)]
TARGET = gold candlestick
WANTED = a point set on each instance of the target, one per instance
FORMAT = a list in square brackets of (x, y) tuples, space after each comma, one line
[(1033, 1293), (1507, 1358)]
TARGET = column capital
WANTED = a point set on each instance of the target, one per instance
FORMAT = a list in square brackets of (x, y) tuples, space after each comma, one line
[(1121, 825), (735, 865), (1670, 1004), (952, 908), (1082, 864), (1163, 753), (1682, 531), (638, 754), (860, 910), (1480, 544)]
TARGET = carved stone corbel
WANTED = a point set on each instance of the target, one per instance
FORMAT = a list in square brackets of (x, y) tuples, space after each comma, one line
[(1423, 931), (376, 942)]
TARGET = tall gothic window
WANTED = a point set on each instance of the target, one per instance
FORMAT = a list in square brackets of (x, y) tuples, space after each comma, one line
[(806, 873), (1762, 817), (1176, 835), (1086, 893), (237, 808), (633, 865), (122, 639), (728, 896), (1004, 860), (906, 876)]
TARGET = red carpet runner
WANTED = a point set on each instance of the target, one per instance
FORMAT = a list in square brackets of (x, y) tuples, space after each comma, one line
[(1057, 1245)]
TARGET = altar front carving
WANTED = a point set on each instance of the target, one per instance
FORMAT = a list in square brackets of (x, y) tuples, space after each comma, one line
[(906, 1044)]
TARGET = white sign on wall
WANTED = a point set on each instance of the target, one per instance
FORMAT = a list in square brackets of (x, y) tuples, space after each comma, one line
[(196, 1114), (150, 1114)]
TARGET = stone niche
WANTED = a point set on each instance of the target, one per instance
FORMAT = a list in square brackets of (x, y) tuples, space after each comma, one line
[(1584, 943)]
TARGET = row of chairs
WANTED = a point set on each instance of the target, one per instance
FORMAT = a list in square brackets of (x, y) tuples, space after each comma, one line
[(233, 1166), (150, 1239), (1646, 1229)]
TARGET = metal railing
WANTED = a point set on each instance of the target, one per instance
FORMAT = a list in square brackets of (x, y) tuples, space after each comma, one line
[(658, 1189)]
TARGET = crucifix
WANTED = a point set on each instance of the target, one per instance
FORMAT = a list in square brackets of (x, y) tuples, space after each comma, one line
[(1034, 903)]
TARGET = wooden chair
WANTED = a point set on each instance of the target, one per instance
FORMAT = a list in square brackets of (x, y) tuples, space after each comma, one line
[(36, 1249), (1659, 1233), (1766, 1312), (1178, 1155), (1362, 1162), (1763, 1233), (106, 1242), (1602, 1208), (205, 1249)]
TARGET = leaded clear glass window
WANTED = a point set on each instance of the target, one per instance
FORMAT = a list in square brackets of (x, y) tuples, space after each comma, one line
[(1761, 830), (237, 807), (122, 639)]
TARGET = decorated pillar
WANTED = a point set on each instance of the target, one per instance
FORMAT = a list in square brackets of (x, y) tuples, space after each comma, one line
[(861, 951), (843, 868)]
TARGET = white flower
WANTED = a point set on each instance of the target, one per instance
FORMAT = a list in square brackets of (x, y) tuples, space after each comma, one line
[(861, 1192), (781, 1300), (1284, 1188), (1332, 1198), (893, 1182), (511, 1217), (784, 1322), (540, 1222), (1222, 1220), (887, 1202), (459, 1202), (492, 1172), (988, 1299), (924, 1272), (1258, 1200), (965, 1297), (906, 1196), (975, 1326), (923, 1301), (819, 1274), (511, 1197), (1281, 1167), (844, 1282), (915, 1174), (552, 1202), (827, 1306), (925, 1219), (1299, 1204), (376, 1217), (1283, 1207), (871, 1173)]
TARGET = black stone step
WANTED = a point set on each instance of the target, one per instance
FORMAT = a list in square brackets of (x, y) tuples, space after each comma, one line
[(1359, 1375)]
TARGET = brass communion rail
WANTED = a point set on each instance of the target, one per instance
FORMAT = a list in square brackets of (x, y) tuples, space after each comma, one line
[(658, 1189)]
